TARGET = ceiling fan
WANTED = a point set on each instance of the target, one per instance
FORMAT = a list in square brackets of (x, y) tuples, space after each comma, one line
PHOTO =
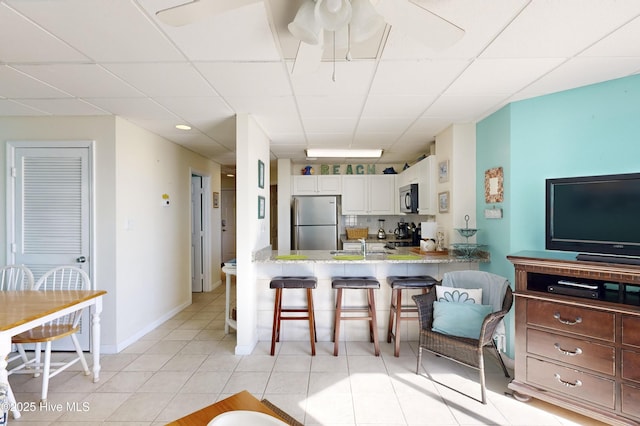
[(358, 19)]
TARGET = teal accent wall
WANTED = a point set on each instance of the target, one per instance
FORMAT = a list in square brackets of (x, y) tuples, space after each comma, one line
[(591, 130)]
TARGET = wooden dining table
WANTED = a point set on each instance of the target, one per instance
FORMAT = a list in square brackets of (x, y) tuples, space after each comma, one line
[(240, 401), (21, 311)]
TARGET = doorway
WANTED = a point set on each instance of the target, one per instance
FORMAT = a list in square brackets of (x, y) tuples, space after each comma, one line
[(49, 205), (228, 216), (200, 233)]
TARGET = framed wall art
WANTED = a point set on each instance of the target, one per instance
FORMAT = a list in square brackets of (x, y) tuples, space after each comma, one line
[(261, 207), (494, 185), (443, 171), (260, 174), (443, 202)]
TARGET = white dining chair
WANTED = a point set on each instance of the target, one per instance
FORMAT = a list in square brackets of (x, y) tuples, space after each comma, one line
[(15, 278), (59, 278)]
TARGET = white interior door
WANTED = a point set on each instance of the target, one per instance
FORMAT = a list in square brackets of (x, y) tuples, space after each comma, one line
[(228, 216), (49, 210), (197, 234)]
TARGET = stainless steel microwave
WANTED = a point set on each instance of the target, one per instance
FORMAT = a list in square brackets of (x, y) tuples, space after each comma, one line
[(409, 198)]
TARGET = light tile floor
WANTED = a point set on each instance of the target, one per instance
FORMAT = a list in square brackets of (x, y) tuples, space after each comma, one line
[(189, 363)]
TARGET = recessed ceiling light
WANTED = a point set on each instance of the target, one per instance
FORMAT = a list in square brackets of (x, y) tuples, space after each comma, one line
[(183, 127), (343, 153), (230, 175)]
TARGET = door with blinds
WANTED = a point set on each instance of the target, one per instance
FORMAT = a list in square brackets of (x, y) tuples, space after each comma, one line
[(50, 200)]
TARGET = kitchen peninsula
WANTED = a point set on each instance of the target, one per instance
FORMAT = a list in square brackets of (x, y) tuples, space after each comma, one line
[(325, 264)]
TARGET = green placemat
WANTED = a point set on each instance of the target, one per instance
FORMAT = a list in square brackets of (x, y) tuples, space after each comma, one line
[(403, 257), (291, 257), (349, 257)]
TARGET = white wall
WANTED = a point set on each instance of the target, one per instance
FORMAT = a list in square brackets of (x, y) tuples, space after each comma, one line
[(284, 204), (458, 145), (252, 233), (145, 269), (153, 254)]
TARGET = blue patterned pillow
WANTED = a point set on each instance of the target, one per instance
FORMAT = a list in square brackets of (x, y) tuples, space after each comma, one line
[(459, 319), (458, 295)]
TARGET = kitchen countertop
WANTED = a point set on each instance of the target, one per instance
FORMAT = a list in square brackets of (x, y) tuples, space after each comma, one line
[(340, 256)]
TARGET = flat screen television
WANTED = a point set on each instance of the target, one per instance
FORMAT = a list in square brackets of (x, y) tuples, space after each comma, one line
[(597, 215)]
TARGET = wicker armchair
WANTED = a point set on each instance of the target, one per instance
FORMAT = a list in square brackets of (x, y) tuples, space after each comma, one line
[(467, 351)]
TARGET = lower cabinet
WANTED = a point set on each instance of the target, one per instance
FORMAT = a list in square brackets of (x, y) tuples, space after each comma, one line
[(577, 352)]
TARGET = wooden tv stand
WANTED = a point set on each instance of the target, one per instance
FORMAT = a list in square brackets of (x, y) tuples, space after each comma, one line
[(581, 352)]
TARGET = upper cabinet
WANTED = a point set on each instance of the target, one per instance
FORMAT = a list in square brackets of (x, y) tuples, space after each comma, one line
[(368, 194), (423, 173), (317, 185), (427, 197)]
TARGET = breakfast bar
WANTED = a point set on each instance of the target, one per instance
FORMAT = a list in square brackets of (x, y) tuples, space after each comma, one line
[(325, 264)]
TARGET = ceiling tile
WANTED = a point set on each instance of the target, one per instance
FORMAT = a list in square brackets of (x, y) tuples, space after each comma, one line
[(11, 108), (243, 34), (580, 71), (17, 85), (35, 44), (111, 31), (330, 106), (416, 77), (81, 80), (351, 78), (482, 21), (246, 78), (569, 26), (466, 108), (322, 125), (396, 106), (622, 43), (65, 106), (490, 77), (163, 79), (196, 108), (384, 124), (134, 108)]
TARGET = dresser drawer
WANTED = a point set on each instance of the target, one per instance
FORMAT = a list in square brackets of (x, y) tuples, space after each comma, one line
[(572, 319), (578, 352), (571, 383), (631, 400), (631, 330), (631, 365)]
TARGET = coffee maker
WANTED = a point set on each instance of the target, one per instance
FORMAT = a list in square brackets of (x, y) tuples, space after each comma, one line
[(402, 231)]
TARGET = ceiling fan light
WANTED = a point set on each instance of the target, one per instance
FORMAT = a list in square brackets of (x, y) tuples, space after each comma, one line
[(329, 20), (366, 22), (305, 27)]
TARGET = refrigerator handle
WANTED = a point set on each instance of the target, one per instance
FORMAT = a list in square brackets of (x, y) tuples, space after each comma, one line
[(295, 212), (296, 229)]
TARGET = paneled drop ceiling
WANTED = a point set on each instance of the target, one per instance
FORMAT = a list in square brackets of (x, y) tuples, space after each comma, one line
[(114, 57)]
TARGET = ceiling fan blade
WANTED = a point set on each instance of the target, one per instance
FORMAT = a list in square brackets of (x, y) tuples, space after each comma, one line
[(188, 13), (308, 59), (420, 24)]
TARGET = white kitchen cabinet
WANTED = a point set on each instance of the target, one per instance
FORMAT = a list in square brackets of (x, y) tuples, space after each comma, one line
[(351, 246), (368, 194), (427, 197), (317, 185)]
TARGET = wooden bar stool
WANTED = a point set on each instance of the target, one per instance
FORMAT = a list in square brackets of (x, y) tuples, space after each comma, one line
[(356, 283), (398, 312), (280, 283)]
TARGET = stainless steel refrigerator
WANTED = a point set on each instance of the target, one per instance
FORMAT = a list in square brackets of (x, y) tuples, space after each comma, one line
[(315, 222)]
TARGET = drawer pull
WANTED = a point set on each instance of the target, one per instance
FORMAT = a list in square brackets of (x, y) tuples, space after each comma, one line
[(578, 320), (578, 351), (577, 384)]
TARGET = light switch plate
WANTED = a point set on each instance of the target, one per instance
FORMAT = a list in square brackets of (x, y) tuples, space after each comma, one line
[(493, 213)]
